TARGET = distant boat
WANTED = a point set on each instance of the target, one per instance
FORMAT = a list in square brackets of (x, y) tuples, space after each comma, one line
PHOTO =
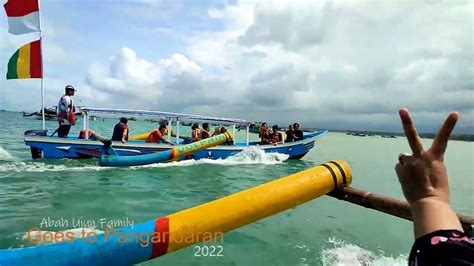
[(388, 136), (49, 113)]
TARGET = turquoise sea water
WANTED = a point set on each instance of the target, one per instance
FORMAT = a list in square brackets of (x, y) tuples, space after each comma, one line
[(324, 231)]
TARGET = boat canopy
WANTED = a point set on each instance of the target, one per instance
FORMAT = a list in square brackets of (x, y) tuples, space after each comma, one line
[(180, 116)]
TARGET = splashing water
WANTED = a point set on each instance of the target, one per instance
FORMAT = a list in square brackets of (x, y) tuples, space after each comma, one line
[(342, 254), (248, 156), (5, 155), (44, 167)]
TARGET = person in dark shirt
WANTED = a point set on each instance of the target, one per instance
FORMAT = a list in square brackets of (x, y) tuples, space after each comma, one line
[(289, 134), (121, 131), (205, 131), (440, 238), (297, 133)]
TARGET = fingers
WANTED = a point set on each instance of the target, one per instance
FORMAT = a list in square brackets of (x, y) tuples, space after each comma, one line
[(405, 158), (410, 132), (404, 167), (440, 142)]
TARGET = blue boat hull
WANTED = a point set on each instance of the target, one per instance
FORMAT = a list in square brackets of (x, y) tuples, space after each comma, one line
[(74, 148)]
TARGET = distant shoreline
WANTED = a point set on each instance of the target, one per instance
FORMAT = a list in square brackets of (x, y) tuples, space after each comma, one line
[(461, 137)]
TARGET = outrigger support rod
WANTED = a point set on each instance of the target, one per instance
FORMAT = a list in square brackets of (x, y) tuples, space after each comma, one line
[(386, 204)]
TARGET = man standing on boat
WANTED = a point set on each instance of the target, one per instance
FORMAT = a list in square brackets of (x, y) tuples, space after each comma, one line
[(66, 111)]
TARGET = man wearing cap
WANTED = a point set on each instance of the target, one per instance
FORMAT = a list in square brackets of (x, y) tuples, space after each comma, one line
[(66, 111)]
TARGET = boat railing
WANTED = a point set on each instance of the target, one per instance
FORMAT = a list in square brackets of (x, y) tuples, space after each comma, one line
[(171, 117)]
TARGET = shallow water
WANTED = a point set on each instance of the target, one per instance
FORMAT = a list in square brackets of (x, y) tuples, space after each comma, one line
[(324, 231)]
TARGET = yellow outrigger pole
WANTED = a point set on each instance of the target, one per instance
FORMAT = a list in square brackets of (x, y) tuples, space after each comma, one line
[(206, 222)]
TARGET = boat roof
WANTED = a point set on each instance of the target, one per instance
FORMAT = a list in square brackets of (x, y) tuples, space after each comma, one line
[(167, 115)]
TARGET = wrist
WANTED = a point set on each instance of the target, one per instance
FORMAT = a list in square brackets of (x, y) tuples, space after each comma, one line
[(432, 214), (429, 202)]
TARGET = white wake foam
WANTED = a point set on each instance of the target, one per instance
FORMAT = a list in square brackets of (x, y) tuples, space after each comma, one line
[(248, 156), (345, 254), (44, 167), (5, 155)]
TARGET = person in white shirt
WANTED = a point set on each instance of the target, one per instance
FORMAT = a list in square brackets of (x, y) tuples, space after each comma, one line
[(66, 111)]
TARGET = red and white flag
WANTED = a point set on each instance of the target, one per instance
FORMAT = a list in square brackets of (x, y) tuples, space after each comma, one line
[(23, 16)]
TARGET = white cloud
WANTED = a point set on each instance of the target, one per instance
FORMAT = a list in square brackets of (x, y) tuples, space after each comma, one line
[(344, 60), (325, 63), (172, 83)]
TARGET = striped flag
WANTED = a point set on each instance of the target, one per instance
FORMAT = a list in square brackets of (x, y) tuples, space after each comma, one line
[(23, 16), (26, 62)]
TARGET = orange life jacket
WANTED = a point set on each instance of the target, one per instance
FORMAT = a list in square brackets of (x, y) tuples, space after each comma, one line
[(276, 137), (82, 134), (155, 136)]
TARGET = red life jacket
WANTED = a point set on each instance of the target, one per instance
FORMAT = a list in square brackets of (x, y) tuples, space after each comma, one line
[(82, 134), (72, 118), (155, 136), (276, 137)]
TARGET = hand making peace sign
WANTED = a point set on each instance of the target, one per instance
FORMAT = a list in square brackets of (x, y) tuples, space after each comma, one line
[(423, 173)]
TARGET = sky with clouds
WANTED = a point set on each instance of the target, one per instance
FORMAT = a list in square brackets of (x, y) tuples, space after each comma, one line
[(326, 64)]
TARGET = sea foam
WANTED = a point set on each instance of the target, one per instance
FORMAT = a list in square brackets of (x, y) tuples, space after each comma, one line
[(340, 253), (248, 156), (5, 155)]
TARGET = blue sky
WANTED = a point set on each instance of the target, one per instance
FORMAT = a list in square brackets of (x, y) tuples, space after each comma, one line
[(323, 63)]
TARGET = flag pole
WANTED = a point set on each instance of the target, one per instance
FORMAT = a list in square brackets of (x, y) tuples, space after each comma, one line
[(42, 65)]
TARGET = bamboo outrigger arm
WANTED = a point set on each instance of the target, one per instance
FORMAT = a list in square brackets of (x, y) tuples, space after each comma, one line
[(386, 204)]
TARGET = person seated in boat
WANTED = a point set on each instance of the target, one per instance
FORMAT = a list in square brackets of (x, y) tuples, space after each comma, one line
[(289, 134), (156, 136), (297, 133), (263, 126), (217, 131), (66, 111), (205, 131), (439, 236), (229, 142), (195, 133), (121, 131), (276, 137), (265, 136)]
